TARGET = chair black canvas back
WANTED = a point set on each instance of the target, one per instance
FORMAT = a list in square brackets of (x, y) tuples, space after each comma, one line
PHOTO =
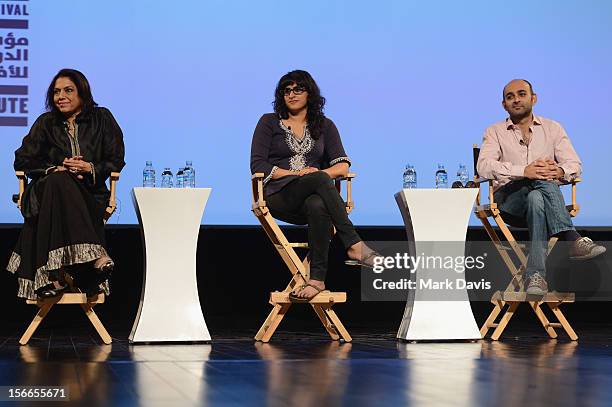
[(475, 154)]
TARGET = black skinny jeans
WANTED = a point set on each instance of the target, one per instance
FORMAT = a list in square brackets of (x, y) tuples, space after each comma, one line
[(314, 200)]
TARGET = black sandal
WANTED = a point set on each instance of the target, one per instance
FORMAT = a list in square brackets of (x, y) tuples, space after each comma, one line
[(92, 291), (295, 298), (362, 262), (104, 272), (50, 291)]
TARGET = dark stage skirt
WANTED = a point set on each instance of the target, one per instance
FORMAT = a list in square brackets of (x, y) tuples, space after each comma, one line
[(63, 229)]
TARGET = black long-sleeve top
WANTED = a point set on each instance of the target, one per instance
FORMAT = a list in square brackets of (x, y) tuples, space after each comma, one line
[(274, 146), (98, 139)]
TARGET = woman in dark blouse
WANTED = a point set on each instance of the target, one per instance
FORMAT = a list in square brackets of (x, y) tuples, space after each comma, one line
[(299, 150), (68, 154)]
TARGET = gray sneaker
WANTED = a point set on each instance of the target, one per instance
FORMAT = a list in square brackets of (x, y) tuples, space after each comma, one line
[(585, 249), (536, 285)]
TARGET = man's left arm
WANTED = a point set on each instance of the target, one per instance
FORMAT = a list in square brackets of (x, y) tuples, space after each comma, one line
[(566, 156)]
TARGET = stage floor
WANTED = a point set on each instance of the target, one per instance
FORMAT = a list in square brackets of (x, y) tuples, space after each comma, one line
[(300, 369)]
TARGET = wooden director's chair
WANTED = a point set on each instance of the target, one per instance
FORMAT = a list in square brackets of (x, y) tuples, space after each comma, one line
[(75, 296), (300, 270), (515, 293)]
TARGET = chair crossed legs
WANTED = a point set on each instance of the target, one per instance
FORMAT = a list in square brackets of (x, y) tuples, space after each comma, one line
[(515, 294), (300, 270), (73, 297)]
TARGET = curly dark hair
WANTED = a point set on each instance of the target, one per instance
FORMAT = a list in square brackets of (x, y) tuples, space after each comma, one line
[(315, 116), (83, 89)]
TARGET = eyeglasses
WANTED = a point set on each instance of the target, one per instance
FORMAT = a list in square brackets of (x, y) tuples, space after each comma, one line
[(298, 90)]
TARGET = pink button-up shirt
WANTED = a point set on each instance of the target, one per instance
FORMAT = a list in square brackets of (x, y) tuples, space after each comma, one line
[(503, 155)]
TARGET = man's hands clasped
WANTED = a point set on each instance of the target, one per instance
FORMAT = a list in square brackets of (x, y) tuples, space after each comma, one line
[(544, 169)]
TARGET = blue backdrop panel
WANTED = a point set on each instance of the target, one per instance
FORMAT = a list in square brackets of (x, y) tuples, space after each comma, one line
[(413, 82)]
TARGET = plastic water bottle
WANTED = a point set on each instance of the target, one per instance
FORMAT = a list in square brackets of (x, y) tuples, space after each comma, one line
[(189, 175), (462, 174), (180, 178), (441, 177), (166, 181), (410, 177), (148, 175)]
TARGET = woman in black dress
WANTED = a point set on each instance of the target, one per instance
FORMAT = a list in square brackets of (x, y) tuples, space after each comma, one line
[(300, 152), (68, 154)]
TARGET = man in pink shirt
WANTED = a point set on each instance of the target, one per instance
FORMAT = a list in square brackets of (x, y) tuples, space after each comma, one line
[(526, 156)]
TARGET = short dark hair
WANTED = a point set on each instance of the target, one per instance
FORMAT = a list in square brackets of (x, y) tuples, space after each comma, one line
[(524, 80), (82, 85), (315, 116)]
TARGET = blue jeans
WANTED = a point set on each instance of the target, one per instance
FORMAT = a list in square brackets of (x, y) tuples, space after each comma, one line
[(539, 206)]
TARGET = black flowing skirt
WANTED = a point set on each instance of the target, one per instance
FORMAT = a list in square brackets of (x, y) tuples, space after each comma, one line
[(64, 232)]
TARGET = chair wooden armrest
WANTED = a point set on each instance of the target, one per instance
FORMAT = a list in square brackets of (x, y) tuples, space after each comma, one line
[(573, 208), (112, 200), (572, 182), (23, 181), (481, 180), (258, 193), (349, 189), (347, 177), (260, 203)]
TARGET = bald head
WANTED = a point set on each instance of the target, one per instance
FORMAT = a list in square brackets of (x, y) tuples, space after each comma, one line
[(518, 83), (518, 99)]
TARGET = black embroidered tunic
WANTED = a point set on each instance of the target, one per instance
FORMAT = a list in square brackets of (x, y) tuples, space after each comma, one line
[(275, 146)]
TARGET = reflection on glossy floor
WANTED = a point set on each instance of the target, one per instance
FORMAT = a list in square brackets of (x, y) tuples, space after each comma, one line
[(305, 370)]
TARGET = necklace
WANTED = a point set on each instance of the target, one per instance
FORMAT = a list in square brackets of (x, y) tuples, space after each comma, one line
[(299, 148), (70, 128)]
